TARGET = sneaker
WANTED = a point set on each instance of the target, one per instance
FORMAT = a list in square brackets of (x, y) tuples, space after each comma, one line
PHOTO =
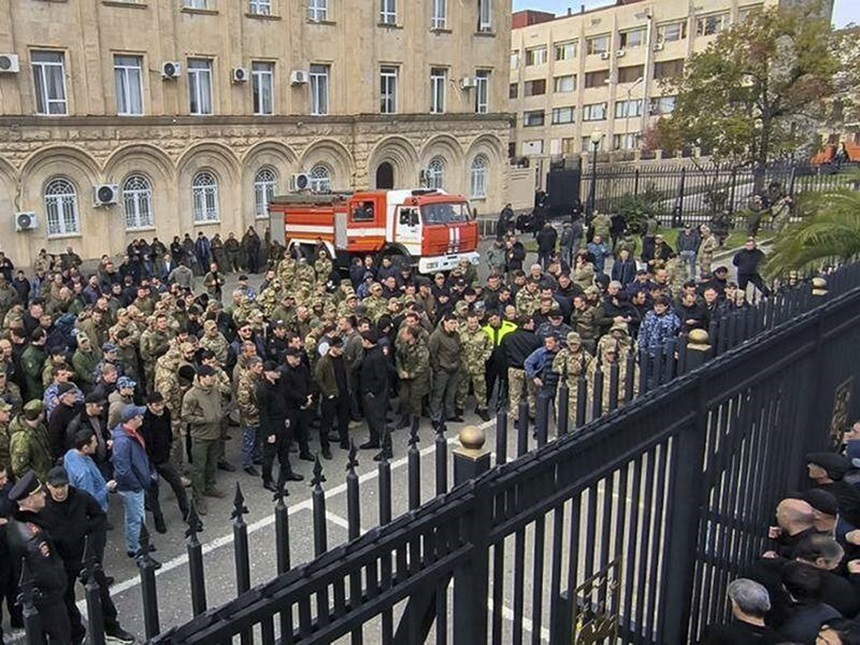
[(118, 635), (483, 414), (186, 483), (293, 477), (215, 492), (200, 506), (270, 486)]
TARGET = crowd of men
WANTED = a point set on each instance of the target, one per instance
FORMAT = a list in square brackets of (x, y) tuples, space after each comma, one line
[(130, 376), (805, 588)]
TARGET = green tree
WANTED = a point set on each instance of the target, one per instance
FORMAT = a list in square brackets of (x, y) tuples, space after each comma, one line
[(757, 92), (830, 231)]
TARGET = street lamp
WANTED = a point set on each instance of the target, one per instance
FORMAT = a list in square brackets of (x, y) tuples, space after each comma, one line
[(596, 138)]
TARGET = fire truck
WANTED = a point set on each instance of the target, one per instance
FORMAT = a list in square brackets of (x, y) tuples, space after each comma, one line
[(429, 229)]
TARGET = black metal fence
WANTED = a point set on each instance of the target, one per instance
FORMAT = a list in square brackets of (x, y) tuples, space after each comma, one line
[(693, 193), (630, 525)]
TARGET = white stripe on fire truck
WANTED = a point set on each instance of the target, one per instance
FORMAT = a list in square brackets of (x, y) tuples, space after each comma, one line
[(308, 228), (356, 232)]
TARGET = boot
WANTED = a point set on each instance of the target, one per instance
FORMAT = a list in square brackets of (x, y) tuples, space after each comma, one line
[(404, 422), (160, 526), (484, 414)]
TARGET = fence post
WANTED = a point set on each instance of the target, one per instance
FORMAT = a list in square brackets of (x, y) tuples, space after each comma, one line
[(563, 402), (731, 207), (26, 597), (241, 556), (147, 566), (678, 213), (502, 426), (441, 444), (682, 526), (698, 349), (414, 465), (195, 562), (470, 457), (95, 616), (353, 507), (318, 499), (636, 182)]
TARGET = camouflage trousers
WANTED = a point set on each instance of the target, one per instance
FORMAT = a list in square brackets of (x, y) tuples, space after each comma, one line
[(178, 452), (478, 380), (516, 377)]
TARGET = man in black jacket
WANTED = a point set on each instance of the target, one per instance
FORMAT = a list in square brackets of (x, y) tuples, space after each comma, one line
[(373, 385), (747, 261), (74, 517), (158, 435), (30, 542), (277, 422), (8, 584), (516, 348), (92, 417), (61, 418), (297, 388)]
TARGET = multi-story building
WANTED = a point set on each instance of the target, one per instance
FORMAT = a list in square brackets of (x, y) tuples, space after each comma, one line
[(596, 77), (132, 118)]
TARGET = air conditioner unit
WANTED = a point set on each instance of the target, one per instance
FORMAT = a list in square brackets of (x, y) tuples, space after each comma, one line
[(170, 69), (240, 75), (105, 194), (658, 47), (300, 181), (604, 56), (298, 77), (9, 64), (468, 81), (26, 222), (620, 53)]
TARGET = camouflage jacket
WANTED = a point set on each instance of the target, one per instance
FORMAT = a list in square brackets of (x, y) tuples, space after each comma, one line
[(246, 399)]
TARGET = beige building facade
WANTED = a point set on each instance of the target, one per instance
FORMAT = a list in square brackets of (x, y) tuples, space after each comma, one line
[(600, 73), (126, 119)]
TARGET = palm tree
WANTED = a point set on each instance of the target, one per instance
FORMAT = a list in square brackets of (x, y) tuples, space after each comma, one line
[(830, 230)]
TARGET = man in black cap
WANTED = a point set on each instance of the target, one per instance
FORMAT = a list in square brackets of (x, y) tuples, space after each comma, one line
[(67, 409), (29, 542), (74, 517), (133, 473), (91, 418), (157, 432), (826, 470), (297, 387), (278, 420), (333, 380), (373, 383)]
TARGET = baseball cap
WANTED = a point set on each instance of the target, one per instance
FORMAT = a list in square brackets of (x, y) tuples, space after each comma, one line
[(836, 465), (58, 476), (132, 411), (125, 382)]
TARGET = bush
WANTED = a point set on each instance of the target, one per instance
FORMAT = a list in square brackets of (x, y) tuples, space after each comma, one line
[(636, 209)]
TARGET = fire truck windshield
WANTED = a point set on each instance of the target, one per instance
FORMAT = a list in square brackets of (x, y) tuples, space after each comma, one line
[(445, 213)]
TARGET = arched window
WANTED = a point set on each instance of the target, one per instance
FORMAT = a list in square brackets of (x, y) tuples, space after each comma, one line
[(204, 194), (61, 207), (137, 201), (478, 177), (436, 173), (320, 179), (265, 184)]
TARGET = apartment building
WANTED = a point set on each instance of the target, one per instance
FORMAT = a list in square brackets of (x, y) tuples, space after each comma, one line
[(129, 118), (596, 77)]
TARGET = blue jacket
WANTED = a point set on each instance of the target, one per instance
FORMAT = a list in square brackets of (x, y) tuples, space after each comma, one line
[(85, 475), (132, 471)]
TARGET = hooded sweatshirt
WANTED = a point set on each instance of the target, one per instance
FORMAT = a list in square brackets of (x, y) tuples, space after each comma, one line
[(201, 409)]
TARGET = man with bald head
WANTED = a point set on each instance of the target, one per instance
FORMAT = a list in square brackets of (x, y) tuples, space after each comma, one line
[(795, 521)]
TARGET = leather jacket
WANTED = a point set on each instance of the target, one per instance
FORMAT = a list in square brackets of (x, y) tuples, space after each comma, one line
[(29, 541)]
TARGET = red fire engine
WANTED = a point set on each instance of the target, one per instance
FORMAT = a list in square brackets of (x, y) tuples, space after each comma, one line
[(429, 228)]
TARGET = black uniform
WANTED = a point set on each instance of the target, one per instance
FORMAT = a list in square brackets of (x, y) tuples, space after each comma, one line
[(296, 386), (8, 584), (275, 422), (157, 432), (373, 383)]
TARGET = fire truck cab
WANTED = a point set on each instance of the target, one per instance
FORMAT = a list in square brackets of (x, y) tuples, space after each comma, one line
[(428, 228)]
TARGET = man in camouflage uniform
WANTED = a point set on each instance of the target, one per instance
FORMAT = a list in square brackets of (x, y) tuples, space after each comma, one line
[(412, 361), (166, 381), (375, 305), (154, 343), (323, 266), (528, 298), (8, 296), (705, 254), (477, 348), (5, 435), (10, 392), (609, 358), (305, 272), (620, 335), (249, 412), (29, 447), (575, 361), (213, 340), (601, 225)]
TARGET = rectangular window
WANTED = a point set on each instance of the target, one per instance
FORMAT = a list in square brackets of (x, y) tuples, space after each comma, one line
[(562, 115), (597, 79), (388, 90), (319, 89), (194, 4), (631, 39), (533, 118), (672, 31), (594, 112), (536, 87), (597, 45), (535, 56), (260, 7), (588, 146), (515, 59), (628, 108), (564, 83), (745, 13), (566, 50), (199, 86), (49, 80), (128, 78), (513, 90), (388, 12), (485, 16), (568, 146), (669, 69), (438, 82), (482, 91), (662, 105), (628, 141), (262, 86), (317, 10), (440, 14), (711, 25), (631, 73)]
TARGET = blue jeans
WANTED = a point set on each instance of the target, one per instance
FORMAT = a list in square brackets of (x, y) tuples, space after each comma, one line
[(133, 503)]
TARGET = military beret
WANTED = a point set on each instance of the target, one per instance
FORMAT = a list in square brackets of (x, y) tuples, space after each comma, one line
[(24, 487), (836, 465), (33, 409)]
